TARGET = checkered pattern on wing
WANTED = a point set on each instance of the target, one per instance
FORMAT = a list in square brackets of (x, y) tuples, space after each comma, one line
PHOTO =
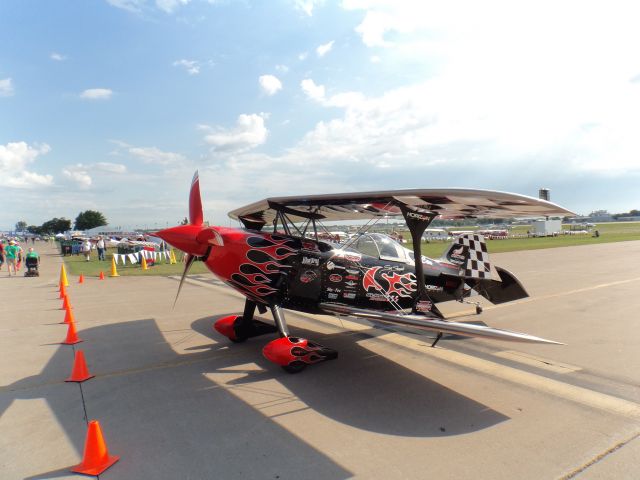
[(478, 265)]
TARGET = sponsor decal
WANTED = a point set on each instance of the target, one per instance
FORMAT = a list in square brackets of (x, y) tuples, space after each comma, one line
[(333, 266), (457, 255), (350, 283), (332, 296), (434, 288), (352, 277), (379, 297), (335, 278), (307, 245), (351, 271), (308, 276), (334, 290), (310, 261), (424, 306), (418, 216), (353, 257), (393, 268), (349, 295)]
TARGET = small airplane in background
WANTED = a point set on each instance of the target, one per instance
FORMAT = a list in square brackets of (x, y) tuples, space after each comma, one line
[(371, 276)]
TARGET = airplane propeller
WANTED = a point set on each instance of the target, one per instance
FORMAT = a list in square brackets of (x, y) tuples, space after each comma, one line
[(196, 218)]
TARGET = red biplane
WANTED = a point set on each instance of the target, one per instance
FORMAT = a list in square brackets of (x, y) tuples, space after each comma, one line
[(279, 261)]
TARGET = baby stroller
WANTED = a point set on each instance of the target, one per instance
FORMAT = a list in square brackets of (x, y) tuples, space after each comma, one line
[(32, 267)]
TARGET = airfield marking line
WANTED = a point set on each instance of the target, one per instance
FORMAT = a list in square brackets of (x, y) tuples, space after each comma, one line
[(526, 359), (550, 386), (600, 457), (562, 294)]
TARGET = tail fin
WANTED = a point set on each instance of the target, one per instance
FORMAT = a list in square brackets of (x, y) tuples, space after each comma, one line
[(469, 252)]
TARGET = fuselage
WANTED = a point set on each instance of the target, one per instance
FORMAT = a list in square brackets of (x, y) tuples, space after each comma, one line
[(299, 273)]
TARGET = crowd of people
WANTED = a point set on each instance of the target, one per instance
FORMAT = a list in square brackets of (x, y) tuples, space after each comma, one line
[(12, 253)]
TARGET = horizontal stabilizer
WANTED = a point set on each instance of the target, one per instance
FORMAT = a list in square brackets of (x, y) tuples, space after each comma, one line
[(507, 289), (434, 324)]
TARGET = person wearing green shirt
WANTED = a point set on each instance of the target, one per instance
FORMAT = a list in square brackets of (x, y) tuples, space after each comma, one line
[(33, 254), (11, 254)]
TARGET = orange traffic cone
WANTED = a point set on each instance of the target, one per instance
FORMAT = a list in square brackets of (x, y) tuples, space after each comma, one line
[(101, 275), (81, 279), (80, 372), (68, 317), (63, 276), (72, 336), (65, 303), (96, 458), (63, 290)]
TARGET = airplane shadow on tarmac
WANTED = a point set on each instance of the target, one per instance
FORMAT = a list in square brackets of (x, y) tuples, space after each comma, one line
[(364, 390), (168, 420)]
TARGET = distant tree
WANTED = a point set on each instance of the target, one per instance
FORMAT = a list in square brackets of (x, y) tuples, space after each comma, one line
[(34, 229), (56, 225), (185, 221), (89, 219), (21, 226)]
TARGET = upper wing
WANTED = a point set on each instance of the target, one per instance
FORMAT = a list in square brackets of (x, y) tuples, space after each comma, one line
[(447, 203)]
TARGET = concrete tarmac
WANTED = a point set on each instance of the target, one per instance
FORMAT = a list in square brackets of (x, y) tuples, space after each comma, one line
[(177, 400)]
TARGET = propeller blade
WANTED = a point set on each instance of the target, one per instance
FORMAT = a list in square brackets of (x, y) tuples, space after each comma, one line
[(187, 266), (196, 216)]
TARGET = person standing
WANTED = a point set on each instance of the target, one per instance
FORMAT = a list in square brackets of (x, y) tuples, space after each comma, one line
[(19, 256), (11, 253), (100, 245), (1, 254), (86, 249)]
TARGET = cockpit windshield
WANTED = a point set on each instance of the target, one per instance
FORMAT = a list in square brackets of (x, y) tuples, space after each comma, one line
[(378, 245)]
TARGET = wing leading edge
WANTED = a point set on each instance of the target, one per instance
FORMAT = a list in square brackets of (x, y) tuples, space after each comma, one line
[(450, 203)]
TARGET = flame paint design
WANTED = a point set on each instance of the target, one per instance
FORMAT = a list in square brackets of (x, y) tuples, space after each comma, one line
[(265, 255), (402, 285)]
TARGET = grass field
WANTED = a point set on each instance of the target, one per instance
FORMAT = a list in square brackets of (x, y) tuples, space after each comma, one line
[(609, 232), (76, 264)]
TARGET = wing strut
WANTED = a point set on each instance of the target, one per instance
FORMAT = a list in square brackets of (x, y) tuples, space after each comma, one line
[(418, 220)]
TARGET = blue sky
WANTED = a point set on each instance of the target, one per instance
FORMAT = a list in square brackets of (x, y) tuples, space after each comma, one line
[(113, 104)]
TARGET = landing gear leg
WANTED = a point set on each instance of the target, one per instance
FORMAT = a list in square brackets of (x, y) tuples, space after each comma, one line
[(281, 323), (438, 337)]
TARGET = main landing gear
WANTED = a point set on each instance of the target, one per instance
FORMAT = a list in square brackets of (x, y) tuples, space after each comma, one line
[(293, 354)]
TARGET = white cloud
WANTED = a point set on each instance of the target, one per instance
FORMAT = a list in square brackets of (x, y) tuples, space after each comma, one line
[(14, 158), (191, 66), (137, 6), (152, 155), (78, 173), (109, 167), (249, 132), (325, 48), (129, 5), (313, 91), (155, 155), (282, 68), (307, 6), (303, 56), (96, 94), (169, 6), (270, 84), (6, 87), (58, 57)]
